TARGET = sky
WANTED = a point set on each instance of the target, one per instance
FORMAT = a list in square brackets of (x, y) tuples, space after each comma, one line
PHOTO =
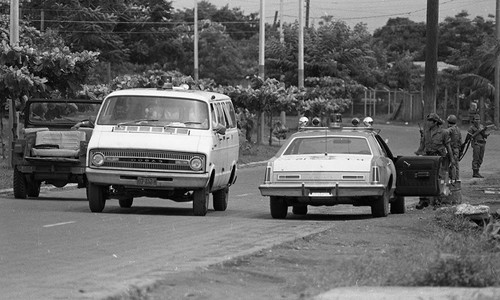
[(374, 13)]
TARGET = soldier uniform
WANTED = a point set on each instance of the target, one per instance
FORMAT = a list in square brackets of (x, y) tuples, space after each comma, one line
[(477, 135), (435, 141), (455, 144)]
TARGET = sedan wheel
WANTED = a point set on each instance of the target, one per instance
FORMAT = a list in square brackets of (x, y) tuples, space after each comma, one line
[(380, 208), (96, 195), (279, 208), (299, 209), (200, 202), (398, 205), (220, 199)]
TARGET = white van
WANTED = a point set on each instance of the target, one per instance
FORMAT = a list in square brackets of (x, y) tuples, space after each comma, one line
[(168, 143)]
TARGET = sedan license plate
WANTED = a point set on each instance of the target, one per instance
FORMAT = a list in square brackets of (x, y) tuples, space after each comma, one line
[(146, 181)]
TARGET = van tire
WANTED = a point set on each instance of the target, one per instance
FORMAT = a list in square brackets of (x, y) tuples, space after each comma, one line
[(20, 185), (126, 202), (279, 207), (221, 198), (200, 202), (96, 195)]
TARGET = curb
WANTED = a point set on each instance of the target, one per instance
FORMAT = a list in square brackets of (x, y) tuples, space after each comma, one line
[(410, 293)]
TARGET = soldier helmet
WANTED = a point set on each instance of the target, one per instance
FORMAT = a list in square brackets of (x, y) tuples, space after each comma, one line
[(452, 119), (368, 121), (434, 117)]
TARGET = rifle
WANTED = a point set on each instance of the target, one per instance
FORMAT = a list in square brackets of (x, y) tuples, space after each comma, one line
[(482, 130), (465, 146)]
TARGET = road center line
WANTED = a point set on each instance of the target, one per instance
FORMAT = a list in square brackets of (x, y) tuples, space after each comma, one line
[(58, 224)]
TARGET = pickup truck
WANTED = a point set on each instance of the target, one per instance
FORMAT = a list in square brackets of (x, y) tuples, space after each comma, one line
[(52, 145)]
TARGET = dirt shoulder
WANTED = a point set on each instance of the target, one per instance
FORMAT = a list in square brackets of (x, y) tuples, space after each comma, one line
[(356, 251)]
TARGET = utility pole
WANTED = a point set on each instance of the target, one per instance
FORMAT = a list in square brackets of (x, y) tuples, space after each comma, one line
[(282, 35), (430, 81), (301, 44), (496, 113), (196, 70), (262, 49), (307, 13), (14, 41)]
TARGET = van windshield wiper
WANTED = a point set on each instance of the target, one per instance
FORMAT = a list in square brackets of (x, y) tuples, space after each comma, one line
[(137, 122)]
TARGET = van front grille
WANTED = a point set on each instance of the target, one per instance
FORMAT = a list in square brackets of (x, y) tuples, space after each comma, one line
[(145, 160)]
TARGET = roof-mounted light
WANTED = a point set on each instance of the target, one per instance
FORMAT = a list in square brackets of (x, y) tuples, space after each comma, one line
[(165, 82)]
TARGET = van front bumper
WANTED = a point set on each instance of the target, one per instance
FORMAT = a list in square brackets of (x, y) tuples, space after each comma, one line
[(150, 180)]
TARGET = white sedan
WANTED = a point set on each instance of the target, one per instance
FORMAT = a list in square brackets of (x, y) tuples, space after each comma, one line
[(346, 165)]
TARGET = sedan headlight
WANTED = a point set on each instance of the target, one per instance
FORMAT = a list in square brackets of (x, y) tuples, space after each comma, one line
[(97, 159), (196, 163)]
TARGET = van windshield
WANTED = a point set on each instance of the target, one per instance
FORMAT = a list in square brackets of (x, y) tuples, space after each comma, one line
[(154, 111)]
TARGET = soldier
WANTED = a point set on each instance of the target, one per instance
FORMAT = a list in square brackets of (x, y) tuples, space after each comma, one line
[(477, 135), (435, 142), (455, 144)]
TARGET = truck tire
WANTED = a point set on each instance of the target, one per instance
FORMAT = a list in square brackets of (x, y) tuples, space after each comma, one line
[(221, 198), (200, 202), (96, 195), (33, 189), (20, 185)]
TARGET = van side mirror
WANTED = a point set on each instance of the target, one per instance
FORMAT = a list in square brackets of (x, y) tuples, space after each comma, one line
[(220, 129)]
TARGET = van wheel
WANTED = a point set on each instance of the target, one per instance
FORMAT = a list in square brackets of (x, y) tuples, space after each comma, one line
[(200, 202), (299, 209), (20, 185), (126, 202), (398, 205), (380, 208), (96, 195), (279, 208), (220, 199)]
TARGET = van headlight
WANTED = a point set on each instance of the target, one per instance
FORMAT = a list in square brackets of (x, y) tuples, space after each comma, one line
[(97, 159), (196, 163)]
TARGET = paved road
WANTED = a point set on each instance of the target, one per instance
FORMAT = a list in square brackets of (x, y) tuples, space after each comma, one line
[(54, 247)]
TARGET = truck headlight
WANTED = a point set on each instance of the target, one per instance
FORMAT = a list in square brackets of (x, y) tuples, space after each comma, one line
[(97, 159)]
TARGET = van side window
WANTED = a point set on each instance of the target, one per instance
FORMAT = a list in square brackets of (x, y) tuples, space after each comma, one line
[(229, 114), (220, 114)]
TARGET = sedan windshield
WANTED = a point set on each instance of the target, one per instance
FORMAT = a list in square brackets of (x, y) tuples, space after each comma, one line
[(328, 145), (154, 111)]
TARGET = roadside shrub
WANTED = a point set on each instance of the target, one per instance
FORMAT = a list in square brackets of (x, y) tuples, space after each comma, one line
[(447, 219), (460, 271)]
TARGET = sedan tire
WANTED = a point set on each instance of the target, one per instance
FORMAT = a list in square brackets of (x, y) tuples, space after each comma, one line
[(279, 208), (299, 209), (398, 205), (380, 208)]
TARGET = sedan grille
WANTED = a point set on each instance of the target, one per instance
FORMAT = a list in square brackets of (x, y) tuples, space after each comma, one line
[(145, 160)]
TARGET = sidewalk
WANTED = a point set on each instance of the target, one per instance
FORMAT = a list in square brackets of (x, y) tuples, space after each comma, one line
[(410, 293)]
